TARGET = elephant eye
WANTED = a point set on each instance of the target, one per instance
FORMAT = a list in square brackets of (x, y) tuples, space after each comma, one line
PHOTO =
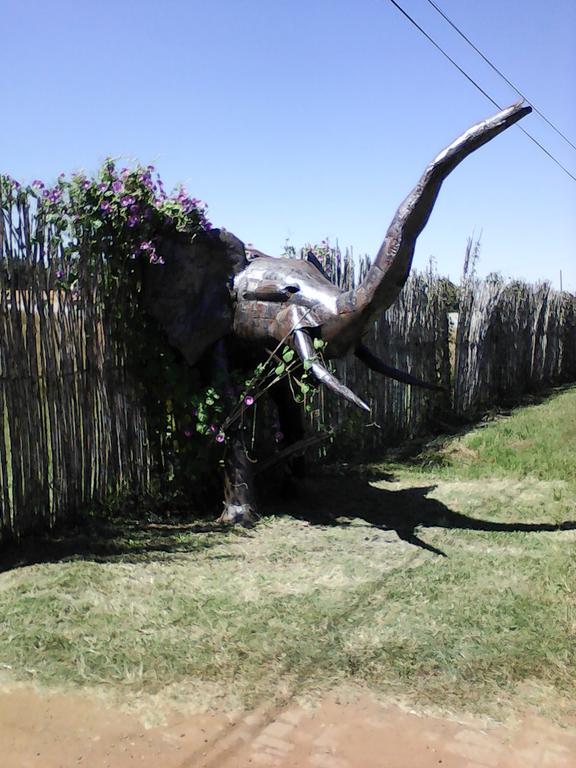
[(270, 292)]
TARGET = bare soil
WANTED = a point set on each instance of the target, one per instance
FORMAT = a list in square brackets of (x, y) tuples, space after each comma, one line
[(349, 729)]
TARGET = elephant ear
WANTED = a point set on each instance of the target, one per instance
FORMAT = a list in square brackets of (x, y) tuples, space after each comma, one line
[(189, 295), (311, 258)]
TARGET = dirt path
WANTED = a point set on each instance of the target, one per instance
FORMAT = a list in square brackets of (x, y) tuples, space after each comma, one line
[(61, 731)]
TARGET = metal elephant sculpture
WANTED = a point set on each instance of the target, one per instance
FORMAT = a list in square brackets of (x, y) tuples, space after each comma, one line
[(212, 299)]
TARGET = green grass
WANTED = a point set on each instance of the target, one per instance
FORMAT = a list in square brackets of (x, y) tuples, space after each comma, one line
[(350, 586), (537, 441)]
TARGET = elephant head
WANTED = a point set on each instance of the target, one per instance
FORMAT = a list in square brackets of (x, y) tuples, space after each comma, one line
[(209, 289)]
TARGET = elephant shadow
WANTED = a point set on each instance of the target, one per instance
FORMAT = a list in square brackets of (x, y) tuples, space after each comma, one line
[(337, 500)]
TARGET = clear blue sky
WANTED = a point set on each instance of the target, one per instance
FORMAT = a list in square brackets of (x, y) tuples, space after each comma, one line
[(303, 119)]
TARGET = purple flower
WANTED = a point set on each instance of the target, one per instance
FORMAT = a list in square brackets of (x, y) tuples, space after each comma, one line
[(213, 428), (248, 400), (149, 249), (220, 437), (86, 184), (38, 183), (102, 187), (117, 186), (279, 436), (133, 221), (187, 433), (105, 207), (127, 201)]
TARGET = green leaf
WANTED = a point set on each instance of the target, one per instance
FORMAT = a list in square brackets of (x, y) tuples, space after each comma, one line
[(308, 363), (288, 355), (279, 370), (319, 344)]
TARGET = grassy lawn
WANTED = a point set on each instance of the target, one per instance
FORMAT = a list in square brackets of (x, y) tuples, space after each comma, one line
[(448, 581)]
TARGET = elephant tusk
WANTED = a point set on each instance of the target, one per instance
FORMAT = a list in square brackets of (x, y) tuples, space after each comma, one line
[(375, 364), (303, 344)]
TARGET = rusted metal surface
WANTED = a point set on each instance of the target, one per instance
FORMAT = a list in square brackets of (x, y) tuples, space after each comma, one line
[(209, 289), (217, 291)]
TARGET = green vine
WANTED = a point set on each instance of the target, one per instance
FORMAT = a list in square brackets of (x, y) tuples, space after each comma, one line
[(97, 233)]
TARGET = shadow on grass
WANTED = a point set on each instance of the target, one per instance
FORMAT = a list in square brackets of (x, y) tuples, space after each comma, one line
[(111, 539), (329, 500), (337, 500)]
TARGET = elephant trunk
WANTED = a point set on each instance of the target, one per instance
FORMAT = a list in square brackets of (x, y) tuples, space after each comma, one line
[(391, 267)]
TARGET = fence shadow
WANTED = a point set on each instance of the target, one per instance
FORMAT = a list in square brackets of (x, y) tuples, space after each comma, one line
[(129, 540), (337, 500)]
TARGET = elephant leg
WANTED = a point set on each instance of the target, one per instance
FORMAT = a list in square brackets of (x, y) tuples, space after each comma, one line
[(291, 421), (239, 506)]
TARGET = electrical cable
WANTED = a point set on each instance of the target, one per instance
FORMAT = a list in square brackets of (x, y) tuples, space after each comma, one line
[(502, 75), (476, 85)]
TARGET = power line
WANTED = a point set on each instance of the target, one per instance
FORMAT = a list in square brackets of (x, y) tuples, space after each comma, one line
[(443, 52), (550, 155), (476, 85), (502, 75)]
